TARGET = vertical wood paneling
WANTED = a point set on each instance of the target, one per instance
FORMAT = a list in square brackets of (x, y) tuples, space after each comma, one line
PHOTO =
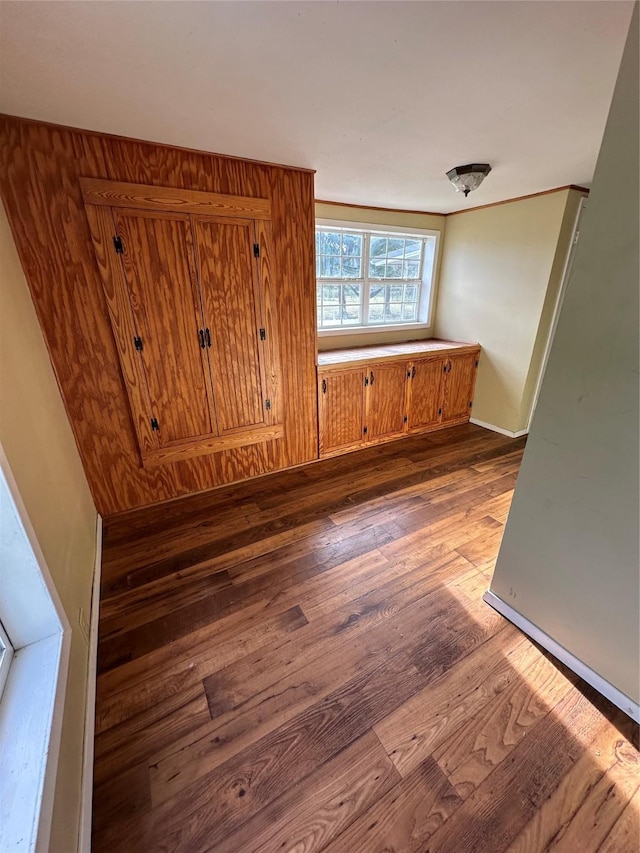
[(273, 357), (122, 323), (425, 392), (293, 224), (39, 170), (386, 396), (159, 277), (341, 401), (231, 304), (459, 382)]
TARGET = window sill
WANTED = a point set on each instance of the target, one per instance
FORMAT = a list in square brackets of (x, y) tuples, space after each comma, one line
[(26, 717), (363, 330)]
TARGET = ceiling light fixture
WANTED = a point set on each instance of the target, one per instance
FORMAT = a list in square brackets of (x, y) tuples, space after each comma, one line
[(468, 178)]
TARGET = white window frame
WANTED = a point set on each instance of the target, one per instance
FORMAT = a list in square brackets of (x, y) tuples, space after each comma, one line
[(6, 655), (427, 289), (32, 703)]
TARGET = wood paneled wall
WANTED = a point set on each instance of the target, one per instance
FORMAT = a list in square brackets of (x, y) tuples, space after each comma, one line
[(40, 167)]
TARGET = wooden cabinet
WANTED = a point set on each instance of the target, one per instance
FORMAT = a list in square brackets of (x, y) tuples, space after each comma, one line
[(49, 178), (385, 400), (425, 392), (182, 273), (405, 388), (341, 410), (458, 386)]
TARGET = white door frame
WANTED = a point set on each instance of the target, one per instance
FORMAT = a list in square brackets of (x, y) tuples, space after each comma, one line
[(566, 275)]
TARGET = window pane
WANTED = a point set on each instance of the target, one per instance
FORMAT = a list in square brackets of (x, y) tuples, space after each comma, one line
[(331, 315), (318, 266), (330, 267), (410, 293), (411, 269), (331, 294), (330, 244), (394, 270), (378, 247), (410, 312), (377, 293), (352, 244), (351, 268), (351, 315), (376, 268), (413, 249), (395, 293), (392, 313), (396, 247), (352, 293), (376, 313)]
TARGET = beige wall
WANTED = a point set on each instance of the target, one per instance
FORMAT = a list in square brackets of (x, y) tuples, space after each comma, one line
[(569, 560), (41, 451), (501, 271), (401, 219)]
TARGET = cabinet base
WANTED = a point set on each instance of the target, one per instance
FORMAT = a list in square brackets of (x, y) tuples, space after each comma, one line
[(340, 451)]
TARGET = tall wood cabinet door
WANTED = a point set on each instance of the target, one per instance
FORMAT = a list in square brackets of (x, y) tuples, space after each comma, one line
[(159, 275), (232, 308), (425, 392), (386, 400), (459, 383), (341, 409)]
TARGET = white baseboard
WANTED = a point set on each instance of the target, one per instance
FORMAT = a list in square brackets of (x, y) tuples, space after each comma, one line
[(619, 699), (84, 841), (502, 431)]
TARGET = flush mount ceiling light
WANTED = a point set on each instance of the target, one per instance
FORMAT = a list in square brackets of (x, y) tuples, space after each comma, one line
[(468, 178)]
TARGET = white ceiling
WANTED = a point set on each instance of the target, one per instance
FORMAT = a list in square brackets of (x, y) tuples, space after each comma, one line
[(382, 98)]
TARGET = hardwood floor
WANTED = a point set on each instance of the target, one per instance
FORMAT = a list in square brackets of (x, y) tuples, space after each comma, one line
[(303, 662)]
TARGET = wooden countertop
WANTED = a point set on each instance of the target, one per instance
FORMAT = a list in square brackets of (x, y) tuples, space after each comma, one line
[(384, 352)]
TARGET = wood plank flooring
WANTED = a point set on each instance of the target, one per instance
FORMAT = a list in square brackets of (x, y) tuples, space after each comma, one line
[(303, 662)]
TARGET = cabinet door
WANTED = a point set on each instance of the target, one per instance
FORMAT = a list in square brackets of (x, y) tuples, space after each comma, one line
[(341, 409), (459, 382), (231, 303), (159, 276), (425, 392), (386, 396), (181, 272)]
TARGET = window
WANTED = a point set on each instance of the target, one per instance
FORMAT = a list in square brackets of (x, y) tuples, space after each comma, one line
[(368, 276)]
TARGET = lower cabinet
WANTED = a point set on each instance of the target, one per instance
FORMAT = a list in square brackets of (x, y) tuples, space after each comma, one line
[(425, 392), (379, 401), (458, 387), (341, 409), (385, 400)]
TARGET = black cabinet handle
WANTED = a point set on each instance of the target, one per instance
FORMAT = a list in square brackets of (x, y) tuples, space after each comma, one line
[(371, 378), (201, 333), (413, 372), (207, 335), (324, 386)]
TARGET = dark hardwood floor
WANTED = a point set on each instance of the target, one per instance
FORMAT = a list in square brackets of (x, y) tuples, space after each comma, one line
[(304, 662)]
